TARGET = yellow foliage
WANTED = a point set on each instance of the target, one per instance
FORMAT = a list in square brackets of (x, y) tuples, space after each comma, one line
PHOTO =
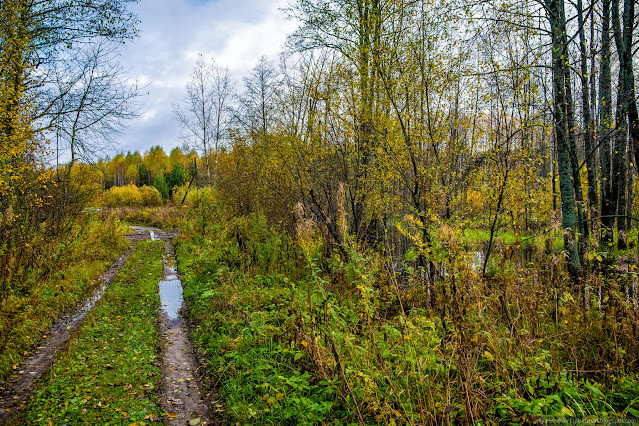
[(150, 196), (193, 195), (131, 195), (86, 181)]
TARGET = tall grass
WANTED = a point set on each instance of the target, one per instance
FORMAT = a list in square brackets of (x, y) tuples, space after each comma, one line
[(45, 291), (292, 333)]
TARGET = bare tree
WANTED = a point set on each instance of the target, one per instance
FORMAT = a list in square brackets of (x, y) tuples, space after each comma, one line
[(204, 111), (257, 104), (88, 101)]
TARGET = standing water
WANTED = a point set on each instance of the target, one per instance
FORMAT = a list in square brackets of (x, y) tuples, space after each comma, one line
[(171, 288), (181, 396)]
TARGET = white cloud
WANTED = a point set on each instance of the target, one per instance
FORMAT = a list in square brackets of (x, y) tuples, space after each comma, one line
[(173, 33)]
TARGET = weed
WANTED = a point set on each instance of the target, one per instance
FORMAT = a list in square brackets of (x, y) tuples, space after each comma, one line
[(110, 372)]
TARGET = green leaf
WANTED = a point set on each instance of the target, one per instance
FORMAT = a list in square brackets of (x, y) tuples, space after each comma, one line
[(207, 293)]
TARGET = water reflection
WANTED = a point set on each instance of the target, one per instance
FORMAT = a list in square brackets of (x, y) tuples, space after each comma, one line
[(171, 295)]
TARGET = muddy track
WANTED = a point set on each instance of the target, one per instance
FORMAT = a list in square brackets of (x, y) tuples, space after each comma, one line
[(181, 388), (20, 385), (181, 395), (15, 392)]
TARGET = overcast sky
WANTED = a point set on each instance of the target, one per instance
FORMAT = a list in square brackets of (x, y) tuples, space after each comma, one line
[(172, 34)]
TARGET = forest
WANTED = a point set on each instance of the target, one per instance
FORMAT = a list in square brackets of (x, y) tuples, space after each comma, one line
[(419, 213)]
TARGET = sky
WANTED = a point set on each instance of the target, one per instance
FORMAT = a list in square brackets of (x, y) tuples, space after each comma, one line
[(172, 33)]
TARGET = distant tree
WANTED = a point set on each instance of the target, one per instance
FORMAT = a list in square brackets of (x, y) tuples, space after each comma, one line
[(157, 161), (116, 168), (144, 174), (177, 177), (160, 184), (131, 174), (177, 156), (203, 114), (256, 111)]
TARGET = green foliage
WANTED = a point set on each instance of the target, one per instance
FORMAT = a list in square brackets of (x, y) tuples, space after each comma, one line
[(177, 177), (160, 184), (110, 372), (29, 310), (295, 336), (144, 175)]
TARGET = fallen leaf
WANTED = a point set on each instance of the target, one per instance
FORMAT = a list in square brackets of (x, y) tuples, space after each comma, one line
[(194, 422)]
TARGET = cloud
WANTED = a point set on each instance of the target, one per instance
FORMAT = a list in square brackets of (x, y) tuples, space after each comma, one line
[(173, 33)]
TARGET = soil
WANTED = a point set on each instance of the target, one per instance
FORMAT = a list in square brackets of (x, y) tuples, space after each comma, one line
[(181, 391), (20, 385)]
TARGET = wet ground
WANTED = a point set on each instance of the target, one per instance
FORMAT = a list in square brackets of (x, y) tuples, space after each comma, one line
[(145, 233), (20, 386), (182, 396), (181, 392)]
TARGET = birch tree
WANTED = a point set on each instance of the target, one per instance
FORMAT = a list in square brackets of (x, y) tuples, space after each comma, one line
[(203, 113)]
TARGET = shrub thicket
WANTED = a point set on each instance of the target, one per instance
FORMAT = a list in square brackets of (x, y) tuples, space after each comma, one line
[(131, 195)]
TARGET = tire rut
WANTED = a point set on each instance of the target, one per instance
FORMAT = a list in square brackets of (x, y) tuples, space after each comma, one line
[(18, 388), (181, 389)]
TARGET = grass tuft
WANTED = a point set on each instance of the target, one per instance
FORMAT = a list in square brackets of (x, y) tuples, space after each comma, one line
[(110, 372)]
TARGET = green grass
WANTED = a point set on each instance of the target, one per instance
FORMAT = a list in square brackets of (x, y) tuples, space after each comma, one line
[(481, 236), (110, 373), (27, 313), (278, 329), (261, 371)]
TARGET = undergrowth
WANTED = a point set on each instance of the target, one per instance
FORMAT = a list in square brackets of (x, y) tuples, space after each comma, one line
[(110, 372), (293, 334), (28, 308), (165, 217)]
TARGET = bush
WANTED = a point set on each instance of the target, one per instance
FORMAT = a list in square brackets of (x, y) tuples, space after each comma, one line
[(150, 196), (194, 195), (131, 195), (127, 195)]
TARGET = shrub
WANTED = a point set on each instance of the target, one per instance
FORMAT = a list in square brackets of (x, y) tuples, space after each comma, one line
[(194, 195), (127, 195), (150, 196), (131, 195)]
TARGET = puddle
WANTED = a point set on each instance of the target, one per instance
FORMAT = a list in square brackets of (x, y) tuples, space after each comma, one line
[(171, 296), (171, 288), (478, 261), (143, 229), (88, 305), (154, 234), (181, 395)]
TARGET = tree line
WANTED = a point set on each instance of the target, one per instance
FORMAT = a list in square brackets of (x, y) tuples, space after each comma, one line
[(498, 115)]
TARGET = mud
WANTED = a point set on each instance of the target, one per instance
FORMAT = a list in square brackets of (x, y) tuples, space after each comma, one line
[(20, 385), (181, 391), (182, 395), (146, 233), (15, 392)]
